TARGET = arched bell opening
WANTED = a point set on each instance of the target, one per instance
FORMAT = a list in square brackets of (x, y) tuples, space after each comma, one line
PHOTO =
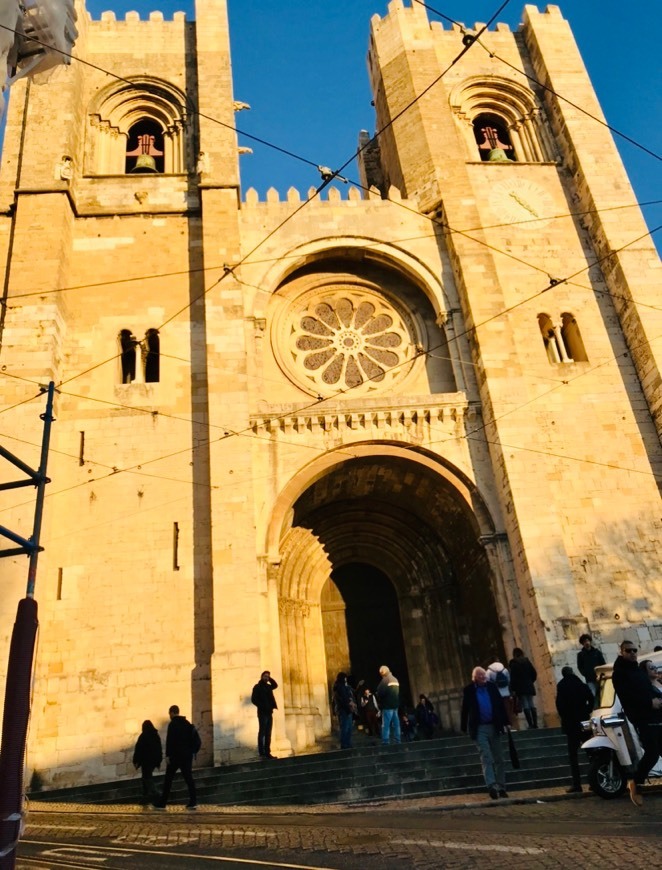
[(382, 549)]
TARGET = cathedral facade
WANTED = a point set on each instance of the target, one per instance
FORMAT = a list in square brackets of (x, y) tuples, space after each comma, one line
[(416, 422)]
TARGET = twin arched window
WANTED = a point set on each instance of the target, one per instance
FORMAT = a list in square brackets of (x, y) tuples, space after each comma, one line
[(138, 126), (150, 356), (563, 341), (502, 120)]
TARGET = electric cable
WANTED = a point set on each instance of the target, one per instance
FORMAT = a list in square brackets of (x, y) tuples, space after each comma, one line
[(153, 276), (539, 83), (247, 431)]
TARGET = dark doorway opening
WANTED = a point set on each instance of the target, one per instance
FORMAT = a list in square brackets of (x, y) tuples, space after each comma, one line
[(374, 630)]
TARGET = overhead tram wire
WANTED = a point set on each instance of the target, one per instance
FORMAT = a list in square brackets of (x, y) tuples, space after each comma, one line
[(157, 276), (325, 180), (545, 87), (334, 175), (247, 431)]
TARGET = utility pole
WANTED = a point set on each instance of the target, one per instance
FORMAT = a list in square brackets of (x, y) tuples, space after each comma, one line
[(21, 653)]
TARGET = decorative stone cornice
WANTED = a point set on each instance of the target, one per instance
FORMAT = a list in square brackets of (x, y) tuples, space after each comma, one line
[(343, 416)]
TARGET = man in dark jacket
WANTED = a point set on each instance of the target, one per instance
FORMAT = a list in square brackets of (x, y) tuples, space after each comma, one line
[(484, 718), (588, 659), (182, 743), (642, 708), (574, 702), (388, 698), (263, 698)]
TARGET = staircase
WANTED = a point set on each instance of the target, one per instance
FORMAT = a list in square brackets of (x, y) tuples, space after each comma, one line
[(447, 765)]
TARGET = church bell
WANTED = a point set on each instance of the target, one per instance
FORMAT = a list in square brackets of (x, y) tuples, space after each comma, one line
[(145, 163)]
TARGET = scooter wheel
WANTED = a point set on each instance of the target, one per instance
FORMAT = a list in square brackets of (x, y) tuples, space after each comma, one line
[(606, 777)]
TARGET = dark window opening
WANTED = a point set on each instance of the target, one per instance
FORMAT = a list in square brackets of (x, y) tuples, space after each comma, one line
[(492, 136), (128, 356), (144, 149), (563, 343), (151, 349), (572, 338)]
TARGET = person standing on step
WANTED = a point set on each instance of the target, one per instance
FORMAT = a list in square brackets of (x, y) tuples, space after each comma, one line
[(263, 698), (484, 719), (574, 702), (148, 755), (369, 712), (522, 684), (182, 744), (498, 673), (643, 708), (344, 706), (388, 698), (589, 658)]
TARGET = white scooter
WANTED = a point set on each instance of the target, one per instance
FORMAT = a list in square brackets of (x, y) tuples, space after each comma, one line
[(614, 749)]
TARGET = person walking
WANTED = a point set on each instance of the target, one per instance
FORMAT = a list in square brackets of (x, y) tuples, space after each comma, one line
[(574, 702), (498, 673), (643, 708), (388, 698), (485, 719), (589, 658), (344, 706), (263, 698), (182, 744), (148, 755), (522, 679)]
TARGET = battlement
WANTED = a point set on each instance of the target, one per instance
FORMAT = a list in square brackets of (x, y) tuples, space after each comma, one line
[(134, 17), (330, 194), (415, 15)]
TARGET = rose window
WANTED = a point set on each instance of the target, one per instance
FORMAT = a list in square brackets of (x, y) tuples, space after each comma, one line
[(350, 340)]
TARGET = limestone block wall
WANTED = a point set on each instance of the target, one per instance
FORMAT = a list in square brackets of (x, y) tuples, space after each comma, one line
[(551, 429)]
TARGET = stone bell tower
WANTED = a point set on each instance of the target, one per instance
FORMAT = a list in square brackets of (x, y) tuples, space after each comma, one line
[(556, 278)]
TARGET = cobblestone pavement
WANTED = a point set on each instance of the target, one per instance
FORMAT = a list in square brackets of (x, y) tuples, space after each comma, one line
[(541, 830)]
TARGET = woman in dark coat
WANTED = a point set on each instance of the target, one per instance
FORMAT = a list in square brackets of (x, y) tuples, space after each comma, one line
[(522, 678), (147, 756)]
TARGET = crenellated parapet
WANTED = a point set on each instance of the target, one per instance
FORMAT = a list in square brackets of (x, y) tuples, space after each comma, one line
[(350, 195), (134, 17)]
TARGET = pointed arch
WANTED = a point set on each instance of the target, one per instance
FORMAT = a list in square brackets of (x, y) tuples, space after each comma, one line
[(117, 109), (509, 105)]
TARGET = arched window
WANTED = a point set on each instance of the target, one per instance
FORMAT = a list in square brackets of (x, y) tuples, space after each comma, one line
[(572, 338), (493, 110), (563, 343), (492, 136), (152, 356), (144, 150), (135, 122), (128, 343), (550, 339)]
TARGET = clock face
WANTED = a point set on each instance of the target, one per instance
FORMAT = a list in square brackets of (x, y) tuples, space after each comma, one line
[(522, 202)]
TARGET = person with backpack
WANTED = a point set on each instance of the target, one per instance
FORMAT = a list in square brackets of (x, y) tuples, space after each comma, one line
[(498, 673), (182, 745), (522, 679), (148, 755)]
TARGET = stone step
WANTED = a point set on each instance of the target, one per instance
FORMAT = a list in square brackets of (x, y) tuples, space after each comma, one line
[(447, 765)]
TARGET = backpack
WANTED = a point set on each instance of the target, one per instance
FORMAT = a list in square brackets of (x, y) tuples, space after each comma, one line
[(501, 678), (196, 743)]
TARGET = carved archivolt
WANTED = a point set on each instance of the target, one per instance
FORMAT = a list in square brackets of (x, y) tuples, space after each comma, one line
[(116, 109), (342, 337), (516, 105)]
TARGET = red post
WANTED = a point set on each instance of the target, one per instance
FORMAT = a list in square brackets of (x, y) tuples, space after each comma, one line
[(15, 728)]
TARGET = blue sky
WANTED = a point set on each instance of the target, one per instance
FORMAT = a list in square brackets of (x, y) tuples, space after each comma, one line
[(300, 64)]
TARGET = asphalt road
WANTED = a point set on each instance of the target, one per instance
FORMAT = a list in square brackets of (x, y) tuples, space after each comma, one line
[(582, 831)]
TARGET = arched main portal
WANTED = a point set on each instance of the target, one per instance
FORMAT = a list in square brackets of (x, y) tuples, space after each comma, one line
[(408, 525)]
